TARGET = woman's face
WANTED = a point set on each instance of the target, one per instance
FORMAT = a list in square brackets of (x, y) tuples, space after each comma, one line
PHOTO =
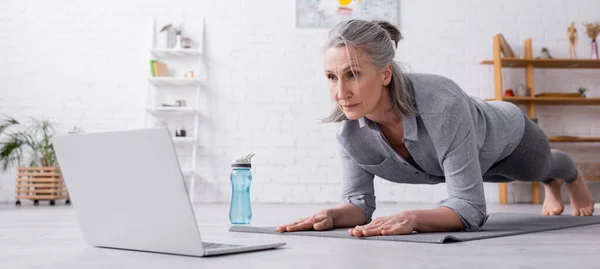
[(355, 84)]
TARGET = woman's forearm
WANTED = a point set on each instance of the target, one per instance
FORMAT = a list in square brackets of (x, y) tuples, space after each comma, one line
[(441, 219), (346, 215)]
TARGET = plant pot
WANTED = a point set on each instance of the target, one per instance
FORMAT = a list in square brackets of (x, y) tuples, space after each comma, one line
[(40, 184)]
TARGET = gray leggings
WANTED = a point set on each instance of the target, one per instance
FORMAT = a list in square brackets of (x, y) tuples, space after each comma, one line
[(533, 160)]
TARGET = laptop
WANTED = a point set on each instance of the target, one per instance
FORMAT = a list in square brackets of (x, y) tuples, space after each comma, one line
[(128, 192)]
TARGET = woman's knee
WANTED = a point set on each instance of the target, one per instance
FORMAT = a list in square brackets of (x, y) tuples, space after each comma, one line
[(563, 166), (561, 158), (535, 167)]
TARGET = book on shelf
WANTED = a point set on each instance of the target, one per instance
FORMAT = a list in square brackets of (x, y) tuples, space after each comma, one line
[(158, 69), (505, 48)]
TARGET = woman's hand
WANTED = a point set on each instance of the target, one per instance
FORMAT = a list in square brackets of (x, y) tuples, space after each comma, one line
[(397, 224), (322, 220)]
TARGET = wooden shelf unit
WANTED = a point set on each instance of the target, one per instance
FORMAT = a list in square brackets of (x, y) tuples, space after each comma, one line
[(563, 139), (547, 63), (593, 178), (528, 62), (521, 100)]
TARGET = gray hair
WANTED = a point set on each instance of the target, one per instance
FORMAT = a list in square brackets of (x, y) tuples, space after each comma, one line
[(378, 40)]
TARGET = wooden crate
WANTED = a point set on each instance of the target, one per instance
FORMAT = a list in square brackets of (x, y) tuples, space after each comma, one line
[(40, 183)]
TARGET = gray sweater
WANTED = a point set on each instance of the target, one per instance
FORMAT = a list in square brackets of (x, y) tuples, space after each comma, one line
[(455, 139)]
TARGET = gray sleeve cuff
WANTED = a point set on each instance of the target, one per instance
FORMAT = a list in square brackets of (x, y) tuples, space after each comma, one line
[(365, 202), (472, 216)]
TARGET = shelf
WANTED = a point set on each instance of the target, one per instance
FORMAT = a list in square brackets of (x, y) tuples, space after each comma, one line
[(158, 111), (175, 52), (547, 63), (559, 139), (550, 100), (183, 140), (592, 178), (172, 81)]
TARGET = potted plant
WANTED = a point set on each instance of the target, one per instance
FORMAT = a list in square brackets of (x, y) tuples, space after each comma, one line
[(29, 148)]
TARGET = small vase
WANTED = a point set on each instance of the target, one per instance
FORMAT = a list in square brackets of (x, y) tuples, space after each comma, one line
[(594, 50), (178, 43)]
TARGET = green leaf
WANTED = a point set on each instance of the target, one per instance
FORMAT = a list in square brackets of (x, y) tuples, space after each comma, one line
[(32, 141), (6, 123)]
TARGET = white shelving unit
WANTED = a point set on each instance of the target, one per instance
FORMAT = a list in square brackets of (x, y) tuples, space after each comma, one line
[(161, 111)]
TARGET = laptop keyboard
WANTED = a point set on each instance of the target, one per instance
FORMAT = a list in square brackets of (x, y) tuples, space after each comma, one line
[(217, 245)]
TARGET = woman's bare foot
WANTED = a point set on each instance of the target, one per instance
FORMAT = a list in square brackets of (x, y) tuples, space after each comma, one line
[(581, 199), (553, 204)]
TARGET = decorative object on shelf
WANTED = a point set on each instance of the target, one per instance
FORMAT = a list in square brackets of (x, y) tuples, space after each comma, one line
[(178, 41), (582, 92), (592, 29), (180, 132), (180, 103), (189, 74), (545, 54), (186, 42), (572, 33), (168, 36), (38, 174), (521, 90), (509, 92)]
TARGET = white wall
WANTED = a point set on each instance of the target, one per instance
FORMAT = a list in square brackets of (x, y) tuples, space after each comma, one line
[(85, 63)]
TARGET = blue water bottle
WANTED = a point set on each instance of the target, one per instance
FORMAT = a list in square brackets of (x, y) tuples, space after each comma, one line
[(240, 211)]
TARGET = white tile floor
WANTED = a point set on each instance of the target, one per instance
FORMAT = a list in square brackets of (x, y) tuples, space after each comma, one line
[(48, 237)]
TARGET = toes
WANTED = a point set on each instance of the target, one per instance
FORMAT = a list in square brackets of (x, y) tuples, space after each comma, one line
[(546, 213), (582, 212), (553, 212), (587, 212)]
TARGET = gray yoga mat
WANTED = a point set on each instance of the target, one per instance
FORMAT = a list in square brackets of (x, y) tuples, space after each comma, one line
[(497, 225)]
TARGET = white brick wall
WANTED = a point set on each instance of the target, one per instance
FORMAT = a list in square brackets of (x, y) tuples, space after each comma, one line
[(86, 63)]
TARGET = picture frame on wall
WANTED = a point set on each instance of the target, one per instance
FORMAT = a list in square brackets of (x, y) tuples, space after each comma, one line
[(327, 13)]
